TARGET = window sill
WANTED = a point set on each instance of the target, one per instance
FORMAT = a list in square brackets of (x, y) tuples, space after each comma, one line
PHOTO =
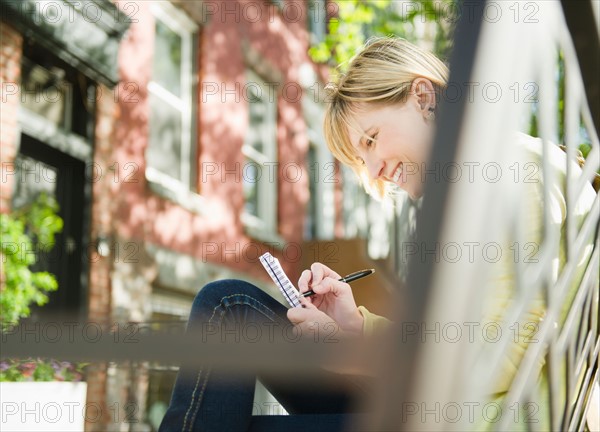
[(40, 128), (255, 229), (175, 191)]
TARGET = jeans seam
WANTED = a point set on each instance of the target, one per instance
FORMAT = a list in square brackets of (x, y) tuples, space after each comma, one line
[(206, 376), (225, 306), (191, 403), (241, 303)]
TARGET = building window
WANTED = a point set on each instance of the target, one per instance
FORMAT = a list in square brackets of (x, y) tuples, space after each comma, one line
[(320, 209), (355, 203), (57, 92), (161, 376), (56, 123), (312, 215), (403, 230), (320, 167), (364, 217), (317, 20), (259, 172), (170, 152)]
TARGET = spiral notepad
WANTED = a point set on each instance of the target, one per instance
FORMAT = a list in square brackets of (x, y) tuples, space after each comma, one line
[(289, 291)]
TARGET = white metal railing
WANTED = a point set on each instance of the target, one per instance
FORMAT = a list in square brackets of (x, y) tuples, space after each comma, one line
[(543, 294)]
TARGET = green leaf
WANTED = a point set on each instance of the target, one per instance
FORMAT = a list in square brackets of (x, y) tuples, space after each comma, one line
[(585, 149), (43, 372), (359, 20), (24, 232)]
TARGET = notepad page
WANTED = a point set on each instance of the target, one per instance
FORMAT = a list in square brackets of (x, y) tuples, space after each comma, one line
[(289, 291)]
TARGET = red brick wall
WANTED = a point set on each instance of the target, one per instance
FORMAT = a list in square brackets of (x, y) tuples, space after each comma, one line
[(11, 43), (129, 211), (103, 198), (97, 414), (11, 48), (99, 300), (222, 123)]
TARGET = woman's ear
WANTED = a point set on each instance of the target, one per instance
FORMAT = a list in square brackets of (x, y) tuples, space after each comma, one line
[(424, 91)]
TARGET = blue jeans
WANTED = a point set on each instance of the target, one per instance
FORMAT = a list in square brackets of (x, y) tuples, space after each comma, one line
[(207, 400)]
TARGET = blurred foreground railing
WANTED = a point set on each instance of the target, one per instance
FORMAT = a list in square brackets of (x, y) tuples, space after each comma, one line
[(538, 291), (434, 377)]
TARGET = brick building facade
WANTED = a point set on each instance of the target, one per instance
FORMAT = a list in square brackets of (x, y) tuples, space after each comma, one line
[(161, 210), (184, 145)]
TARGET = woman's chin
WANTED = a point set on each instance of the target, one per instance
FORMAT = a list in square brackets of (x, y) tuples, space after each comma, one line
[(414, 192)]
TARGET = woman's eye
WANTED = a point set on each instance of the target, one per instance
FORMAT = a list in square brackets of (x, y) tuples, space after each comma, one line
[(360, 161), (371, 140)]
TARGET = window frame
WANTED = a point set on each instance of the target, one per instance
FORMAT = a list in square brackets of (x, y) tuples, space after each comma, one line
[(324, 173), (264, 225), (163, 183), (313, 21)]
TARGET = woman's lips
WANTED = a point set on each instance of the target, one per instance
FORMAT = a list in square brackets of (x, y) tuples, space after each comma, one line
[(397, 173)]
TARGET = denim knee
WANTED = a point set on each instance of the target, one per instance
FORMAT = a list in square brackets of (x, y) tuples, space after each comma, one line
[(213, 293)]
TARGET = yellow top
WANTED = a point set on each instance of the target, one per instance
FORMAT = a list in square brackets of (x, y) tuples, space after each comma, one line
[(503, 275)]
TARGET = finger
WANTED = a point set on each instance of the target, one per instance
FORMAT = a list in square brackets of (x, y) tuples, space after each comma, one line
[(333, 286), (297, 315), (304, 281), (320, 271)]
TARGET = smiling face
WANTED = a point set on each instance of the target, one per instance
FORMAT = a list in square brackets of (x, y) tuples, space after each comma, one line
[(388, 92), (394, 141)]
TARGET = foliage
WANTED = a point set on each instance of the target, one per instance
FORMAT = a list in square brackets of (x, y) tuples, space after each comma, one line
[(24, 232), (585, 145), (358, 20), (40, 370)]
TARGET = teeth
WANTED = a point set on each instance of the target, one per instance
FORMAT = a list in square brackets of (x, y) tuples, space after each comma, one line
[(397, 173)]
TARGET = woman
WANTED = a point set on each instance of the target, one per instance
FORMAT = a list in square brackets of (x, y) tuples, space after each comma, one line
[(389, 85), (380, 122)]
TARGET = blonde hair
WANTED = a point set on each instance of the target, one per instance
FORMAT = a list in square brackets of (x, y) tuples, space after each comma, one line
[(382, 73)]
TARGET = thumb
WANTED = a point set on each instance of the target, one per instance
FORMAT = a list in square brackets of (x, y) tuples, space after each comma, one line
[(297, 315)]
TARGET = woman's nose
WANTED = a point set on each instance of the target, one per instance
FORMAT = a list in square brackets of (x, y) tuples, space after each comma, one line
[(375, 167)]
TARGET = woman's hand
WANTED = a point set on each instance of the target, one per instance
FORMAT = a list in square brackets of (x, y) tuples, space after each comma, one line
[(332, 297), (311, 323)]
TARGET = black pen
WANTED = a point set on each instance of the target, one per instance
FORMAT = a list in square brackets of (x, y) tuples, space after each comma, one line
[(349, 278)]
